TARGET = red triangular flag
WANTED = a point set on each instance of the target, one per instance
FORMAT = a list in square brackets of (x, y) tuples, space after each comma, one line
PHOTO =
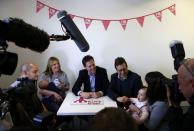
[(123, 23), (39, 6), (158, 15), (87, 22), (140, 20), (106, 23), (172, 9), (72, 16), (52, 11)]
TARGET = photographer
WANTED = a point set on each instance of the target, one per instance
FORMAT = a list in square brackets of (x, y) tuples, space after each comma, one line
[(177, 120)]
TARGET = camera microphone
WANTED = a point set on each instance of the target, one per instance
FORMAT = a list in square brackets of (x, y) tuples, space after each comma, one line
[(73, 31), (24, 35)]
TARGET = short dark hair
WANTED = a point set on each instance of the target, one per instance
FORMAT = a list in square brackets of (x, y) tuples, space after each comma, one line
[(86, 59), (119, 61), (112, 119)]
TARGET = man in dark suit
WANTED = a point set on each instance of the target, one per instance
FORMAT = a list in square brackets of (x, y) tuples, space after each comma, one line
[(124, 83), (94, 79)]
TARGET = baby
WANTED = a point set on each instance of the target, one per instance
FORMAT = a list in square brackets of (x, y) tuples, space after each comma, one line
[(138, 107)]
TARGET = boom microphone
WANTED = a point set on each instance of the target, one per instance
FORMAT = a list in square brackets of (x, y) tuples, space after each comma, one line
[(73, 31), (23, 34)]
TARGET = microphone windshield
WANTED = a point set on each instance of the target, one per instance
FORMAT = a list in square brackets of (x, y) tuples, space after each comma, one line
[(24, 35), (73, 31)]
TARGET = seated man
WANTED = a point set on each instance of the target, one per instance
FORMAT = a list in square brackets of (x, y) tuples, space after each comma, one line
[(124, 83), (94, 79)]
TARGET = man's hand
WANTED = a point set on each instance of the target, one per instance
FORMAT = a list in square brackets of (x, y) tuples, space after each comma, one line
[(95, 94), (85, 95), (123, 99)]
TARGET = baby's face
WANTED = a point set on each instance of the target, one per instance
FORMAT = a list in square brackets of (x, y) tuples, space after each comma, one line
[(142, 95)]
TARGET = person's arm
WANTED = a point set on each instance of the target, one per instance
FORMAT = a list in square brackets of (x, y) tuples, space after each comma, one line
[(112, 89), (65, 84), (105, 82), (144, 113), (133, 108), (123, 99), (49, 93), (137, 84), (78, 83), (157, 113)]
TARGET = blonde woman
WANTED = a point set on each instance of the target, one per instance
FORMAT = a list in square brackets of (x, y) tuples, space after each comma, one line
[(53, 84)]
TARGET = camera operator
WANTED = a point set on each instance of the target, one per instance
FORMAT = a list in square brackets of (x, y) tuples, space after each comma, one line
[(24, 103), (177, 120)]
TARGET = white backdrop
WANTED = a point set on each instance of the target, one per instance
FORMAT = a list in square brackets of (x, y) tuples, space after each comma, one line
[(145, 49)]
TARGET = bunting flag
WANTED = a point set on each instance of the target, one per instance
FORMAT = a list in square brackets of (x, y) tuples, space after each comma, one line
[(87, 21), (39, 6), (172, 9), (52, 12), (140, 20), (158, 15), (123, 23), (106, 23)]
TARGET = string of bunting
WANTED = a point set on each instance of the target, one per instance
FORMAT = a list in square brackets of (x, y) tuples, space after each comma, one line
[(140, 19)]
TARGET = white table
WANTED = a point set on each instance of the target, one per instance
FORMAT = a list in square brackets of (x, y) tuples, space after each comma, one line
[(68, 108)]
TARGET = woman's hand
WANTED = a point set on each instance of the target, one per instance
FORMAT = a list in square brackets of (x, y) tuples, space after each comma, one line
[(64, 86), (57, 97), (133, 108)]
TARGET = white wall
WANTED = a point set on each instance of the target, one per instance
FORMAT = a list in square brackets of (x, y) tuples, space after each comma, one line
[(145, 49)]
